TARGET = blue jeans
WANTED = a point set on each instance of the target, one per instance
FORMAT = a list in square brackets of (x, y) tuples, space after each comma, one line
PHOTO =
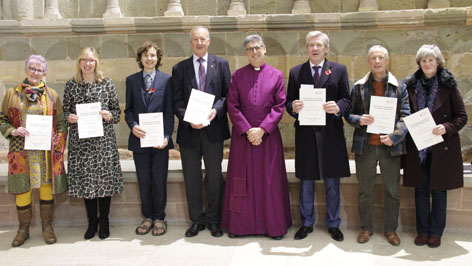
[(430, 217)]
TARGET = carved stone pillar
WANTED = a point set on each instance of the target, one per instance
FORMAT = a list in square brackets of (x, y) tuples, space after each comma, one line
[(368, 5), (52, 10), (301, 7), (174, 9), (22, 9), (113, 9), (439, 3), (237, 8)]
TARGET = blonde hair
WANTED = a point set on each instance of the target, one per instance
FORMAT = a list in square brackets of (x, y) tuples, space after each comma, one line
[(99, 77)]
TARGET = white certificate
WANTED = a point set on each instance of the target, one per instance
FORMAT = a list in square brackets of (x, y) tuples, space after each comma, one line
[(383, 109), (199, 107), (40, 132), (312, 113), (153, 124), (90, 121), (420, 125)]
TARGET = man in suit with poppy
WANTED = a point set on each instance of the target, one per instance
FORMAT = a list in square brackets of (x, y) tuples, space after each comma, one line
[(320, 151), (210, 74), (149, 91)]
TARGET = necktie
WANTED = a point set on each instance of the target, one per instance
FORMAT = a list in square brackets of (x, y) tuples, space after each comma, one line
[(316, 76), (201, 75), (148, 84)]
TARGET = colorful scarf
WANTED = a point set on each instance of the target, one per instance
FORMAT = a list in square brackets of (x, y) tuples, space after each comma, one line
[(33, 92)]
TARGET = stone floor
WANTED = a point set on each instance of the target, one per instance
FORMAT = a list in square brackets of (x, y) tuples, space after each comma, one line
[(126, 248)]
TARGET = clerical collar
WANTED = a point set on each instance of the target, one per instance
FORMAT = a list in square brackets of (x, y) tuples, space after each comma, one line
[(258, 68)]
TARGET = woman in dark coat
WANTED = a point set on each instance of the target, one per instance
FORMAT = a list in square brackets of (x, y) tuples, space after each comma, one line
[(436, 169)]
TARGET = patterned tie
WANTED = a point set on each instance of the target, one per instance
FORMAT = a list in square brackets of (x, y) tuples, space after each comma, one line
[(201, 75), (316, 76), (148, 84)]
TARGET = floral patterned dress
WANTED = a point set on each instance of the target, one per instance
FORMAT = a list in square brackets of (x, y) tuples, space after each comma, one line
[(93, 163)]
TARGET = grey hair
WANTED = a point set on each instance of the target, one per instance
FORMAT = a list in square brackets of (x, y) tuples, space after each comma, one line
[(317, 34), (253, 38), (200, 27), (430, 50), (378, 47)]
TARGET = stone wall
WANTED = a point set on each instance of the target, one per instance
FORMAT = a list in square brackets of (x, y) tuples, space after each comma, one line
[(152, 8), (351, 34)]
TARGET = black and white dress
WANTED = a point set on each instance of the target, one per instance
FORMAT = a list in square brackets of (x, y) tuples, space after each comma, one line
[(93, 163)]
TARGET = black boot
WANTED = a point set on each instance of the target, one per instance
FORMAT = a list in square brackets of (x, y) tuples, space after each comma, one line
[(91, 206), (104, 207)]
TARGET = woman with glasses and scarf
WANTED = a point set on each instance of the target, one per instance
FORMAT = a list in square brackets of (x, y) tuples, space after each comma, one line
[(29, 169), (436, 169), (93, 163)]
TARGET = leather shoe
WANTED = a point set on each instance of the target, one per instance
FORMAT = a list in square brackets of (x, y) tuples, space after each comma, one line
[(421, 240), (277, 237), (232, 235), (215, 230), (434, 241), (364, 236), (336, 234), (392, 238), (194, 229), (303, 232)]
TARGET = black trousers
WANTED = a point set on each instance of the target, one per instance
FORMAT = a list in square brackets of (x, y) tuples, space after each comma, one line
[(151, 169), (212, 153)]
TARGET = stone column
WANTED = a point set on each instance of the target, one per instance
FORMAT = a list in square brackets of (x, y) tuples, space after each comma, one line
[(439, 3), (301, 7), (113, 9), (52, 10), (174, 9), (237, 8), (22, 9), (368, 5)]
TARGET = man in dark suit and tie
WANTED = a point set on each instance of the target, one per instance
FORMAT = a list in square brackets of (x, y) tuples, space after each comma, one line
[(150, 91), (320, 151), (210, 74)]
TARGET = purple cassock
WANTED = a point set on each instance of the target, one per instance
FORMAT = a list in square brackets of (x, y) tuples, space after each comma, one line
[(256, 197)]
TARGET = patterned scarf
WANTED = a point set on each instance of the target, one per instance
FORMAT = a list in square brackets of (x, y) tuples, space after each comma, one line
[(33, 92), (426, 91)]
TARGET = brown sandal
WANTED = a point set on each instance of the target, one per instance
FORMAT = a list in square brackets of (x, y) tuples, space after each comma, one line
[(145, 225), (159, 225)]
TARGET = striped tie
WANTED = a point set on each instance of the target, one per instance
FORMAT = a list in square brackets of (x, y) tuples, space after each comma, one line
[(201, 75)]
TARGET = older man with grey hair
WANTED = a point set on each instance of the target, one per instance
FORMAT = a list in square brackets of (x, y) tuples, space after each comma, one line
[(384, 148), (320, 151), (210, 74)]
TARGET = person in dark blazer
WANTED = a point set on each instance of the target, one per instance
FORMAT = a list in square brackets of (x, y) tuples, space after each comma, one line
[(149, 91), (436, 169), (210, 74), (320, 151)]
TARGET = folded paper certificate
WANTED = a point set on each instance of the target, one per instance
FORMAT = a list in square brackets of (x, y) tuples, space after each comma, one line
[(90, 123), (312, 113), (383, 109), (199, 107), (40, 132), (153, 124), (420, 125)]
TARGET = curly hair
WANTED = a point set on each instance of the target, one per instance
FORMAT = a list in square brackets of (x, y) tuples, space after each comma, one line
[(144, 48)]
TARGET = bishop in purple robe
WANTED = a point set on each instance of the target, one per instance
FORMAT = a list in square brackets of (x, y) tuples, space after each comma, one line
[(256, 194)]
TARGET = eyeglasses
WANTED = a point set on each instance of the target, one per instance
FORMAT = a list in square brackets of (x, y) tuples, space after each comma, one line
[(86, 60), (35, 70), (254, 49)]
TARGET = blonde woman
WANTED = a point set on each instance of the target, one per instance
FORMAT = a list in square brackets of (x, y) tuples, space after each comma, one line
[(93, 163)]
